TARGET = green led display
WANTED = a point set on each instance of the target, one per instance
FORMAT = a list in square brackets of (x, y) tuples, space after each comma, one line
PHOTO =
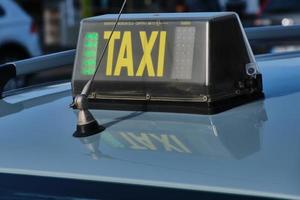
[(89, 57)]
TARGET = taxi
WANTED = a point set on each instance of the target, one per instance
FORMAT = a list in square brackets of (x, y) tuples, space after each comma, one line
[(163, 106)]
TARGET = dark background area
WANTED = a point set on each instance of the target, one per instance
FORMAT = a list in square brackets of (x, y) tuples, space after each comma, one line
[(53, 26), (57, 21)]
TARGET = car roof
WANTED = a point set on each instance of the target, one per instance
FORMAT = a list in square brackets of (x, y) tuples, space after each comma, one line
[(251, 150)]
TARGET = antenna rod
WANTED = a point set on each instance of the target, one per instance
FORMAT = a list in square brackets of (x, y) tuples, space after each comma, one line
[(86, 124), (86, 90)]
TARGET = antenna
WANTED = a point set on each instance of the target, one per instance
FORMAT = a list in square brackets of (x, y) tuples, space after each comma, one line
[(86, 124)]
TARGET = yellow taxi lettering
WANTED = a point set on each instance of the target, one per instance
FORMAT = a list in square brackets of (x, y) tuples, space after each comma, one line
[(134, 145), (146, 62), (111, 47), (161, 54), (150, 141), (144, 140), (165, 141), (125, 58), (180, 144)]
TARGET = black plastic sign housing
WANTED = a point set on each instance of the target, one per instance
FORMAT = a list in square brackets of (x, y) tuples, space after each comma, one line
[(187, 62)]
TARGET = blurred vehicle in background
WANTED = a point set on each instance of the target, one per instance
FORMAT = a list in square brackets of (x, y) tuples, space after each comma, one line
[(18, 37), (18, 33)]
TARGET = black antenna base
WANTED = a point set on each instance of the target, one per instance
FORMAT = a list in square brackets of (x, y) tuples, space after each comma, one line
[(86, 125), (87, 130)]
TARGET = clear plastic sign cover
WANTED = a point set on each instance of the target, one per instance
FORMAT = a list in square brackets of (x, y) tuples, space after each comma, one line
[(143, 51), (174, 57)]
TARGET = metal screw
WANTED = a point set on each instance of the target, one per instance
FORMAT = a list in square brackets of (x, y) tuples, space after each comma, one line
[(251, 71), (94, 95), (204, 98), (241, 85), (148, 97)]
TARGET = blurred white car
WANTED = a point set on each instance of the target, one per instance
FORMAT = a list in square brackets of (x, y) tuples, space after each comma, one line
[(18, 33)]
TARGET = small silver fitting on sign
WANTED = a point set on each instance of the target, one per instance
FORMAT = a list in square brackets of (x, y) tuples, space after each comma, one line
[(204, 98), (86, 123), (251, 69), (148, 97)]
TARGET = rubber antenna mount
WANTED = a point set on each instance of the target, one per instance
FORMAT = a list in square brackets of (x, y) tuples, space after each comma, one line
[(86, 125)]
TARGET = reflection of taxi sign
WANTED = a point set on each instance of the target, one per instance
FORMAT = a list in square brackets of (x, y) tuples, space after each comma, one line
[(175, 62)]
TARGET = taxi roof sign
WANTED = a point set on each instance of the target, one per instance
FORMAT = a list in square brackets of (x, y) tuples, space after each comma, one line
[(170, 62)]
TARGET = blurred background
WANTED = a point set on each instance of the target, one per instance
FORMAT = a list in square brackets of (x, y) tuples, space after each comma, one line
[(51, 26), (31, 28)]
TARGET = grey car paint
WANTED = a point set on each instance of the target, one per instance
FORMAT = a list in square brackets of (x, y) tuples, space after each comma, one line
[(252, 149)]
